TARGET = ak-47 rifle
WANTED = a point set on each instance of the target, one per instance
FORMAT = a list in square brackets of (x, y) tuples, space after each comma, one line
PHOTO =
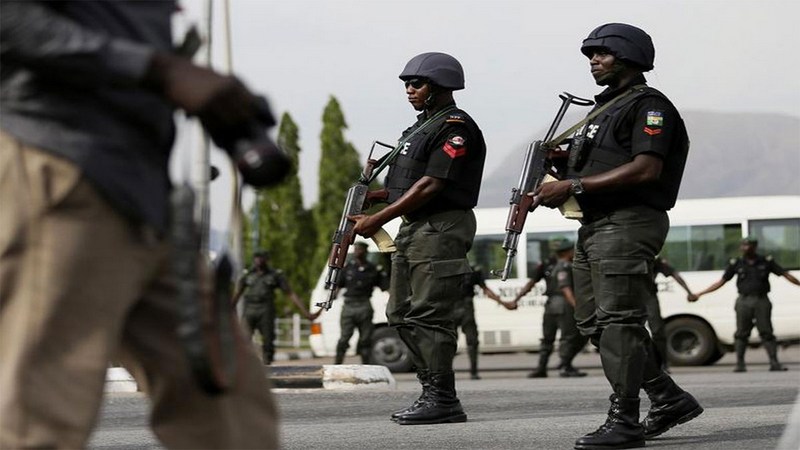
[(358, 200), (537, 165)]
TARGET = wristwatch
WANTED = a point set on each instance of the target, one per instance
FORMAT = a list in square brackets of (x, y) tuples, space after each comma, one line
[(576, 188)]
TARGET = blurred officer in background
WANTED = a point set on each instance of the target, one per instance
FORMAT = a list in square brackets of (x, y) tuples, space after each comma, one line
[(465, 314), (654, 320), (559, 311), (359, 278), (752, 305), (258, 286)]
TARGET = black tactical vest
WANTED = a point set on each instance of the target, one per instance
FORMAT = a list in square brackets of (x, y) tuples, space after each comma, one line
[(359, 280), (600, 152), (752, 279), (411, 163), (260, 286)]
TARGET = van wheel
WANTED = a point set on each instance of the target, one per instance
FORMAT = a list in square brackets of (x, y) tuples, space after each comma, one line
[(388, 350), (690, 342)]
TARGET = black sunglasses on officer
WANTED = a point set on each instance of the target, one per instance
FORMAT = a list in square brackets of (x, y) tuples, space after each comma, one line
[(416, 83)]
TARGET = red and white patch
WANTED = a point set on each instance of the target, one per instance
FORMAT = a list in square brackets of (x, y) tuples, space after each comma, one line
[(454, 147), (652, 131)]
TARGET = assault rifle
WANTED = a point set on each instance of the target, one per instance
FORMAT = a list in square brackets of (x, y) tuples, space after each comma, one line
[(207, 326), (538, 164), (358, 200)]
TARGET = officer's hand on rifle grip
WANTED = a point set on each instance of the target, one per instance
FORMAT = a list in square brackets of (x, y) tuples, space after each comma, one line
[(552, 195)]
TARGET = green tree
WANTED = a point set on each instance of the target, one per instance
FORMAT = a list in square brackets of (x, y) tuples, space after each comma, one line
[(285, 227), (339, 168)]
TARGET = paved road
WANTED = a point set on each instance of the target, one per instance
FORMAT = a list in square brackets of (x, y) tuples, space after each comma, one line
[(508, 411)]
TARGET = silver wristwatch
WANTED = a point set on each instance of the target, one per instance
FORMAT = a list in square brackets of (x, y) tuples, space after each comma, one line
[(576, 188)]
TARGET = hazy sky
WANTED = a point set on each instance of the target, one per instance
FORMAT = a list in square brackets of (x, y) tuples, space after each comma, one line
[(720, 55)]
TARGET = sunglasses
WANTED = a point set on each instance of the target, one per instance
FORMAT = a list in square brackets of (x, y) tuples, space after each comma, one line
[(416, 83)]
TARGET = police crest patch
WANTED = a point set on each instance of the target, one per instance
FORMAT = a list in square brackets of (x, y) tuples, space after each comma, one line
[(454, 147), (655, 118)]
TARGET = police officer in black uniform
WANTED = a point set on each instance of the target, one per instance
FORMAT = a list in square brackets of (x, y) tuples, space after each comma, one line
[(433, 184), (559, 311), (258, 286), (752, 281), (625, 169), (359, 278), (465, 314), (654, 319)]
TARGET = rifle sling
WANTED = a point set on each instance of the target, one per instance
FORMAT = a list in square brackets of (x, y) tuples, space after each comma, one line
[(390, 157), (552, 143)]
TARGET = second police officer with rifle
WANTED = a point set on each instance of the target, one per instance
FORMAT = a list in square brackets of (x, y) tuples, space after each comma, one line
[(433, 185), (625, 176)]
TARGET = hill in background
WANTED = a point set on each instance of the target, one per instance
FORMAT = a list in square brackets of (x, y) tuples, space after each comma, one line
[(731, 155)]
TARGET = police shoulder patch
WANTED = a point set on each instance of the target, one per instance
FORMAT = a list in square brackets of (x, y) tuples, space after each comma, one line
[(733, 261), (655, 118), (768, 258), (456, 118), (562, 276), (454, 146)]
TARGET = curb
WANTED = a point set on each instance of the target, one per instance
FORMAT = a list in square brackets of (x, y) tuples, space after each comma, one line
[(334, 377), (119, 380), (293, 355)]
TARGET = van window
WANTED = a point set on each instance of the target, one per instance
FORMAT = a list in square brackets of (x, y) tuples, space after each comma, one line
[(702, 247), (487, 252), (779, 238), (539, 247)]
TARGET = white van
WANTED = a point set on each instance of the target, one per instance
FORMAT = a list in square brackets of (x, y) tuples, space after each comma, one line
[(704, 235)]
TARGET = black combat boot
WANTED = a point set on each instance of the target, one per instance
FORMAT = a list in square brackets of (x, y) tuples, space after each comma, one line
[(440, 406), (669, 406), (339, 359), (541, 371), (424, 379), (621, 430), (567, 370), (772, 351), (364, 356), (473, 363), (740, 347)]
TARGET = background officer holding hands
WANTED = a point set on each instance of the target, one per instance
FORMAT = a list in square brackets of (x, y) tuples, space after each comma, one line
[(433, 184), (752, 280), (625, 176), (258, 286), (559, 311), (359, 278), (465, 314)]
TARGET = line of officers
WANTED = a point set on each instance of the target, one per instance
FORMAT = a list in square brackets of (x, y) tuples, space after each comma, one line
[(360, 277)]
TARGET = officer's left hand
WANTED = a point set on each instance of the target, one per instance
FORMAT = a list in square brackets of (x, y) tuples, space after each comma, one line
[(552, 194), (313, 316), (366, 225)]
